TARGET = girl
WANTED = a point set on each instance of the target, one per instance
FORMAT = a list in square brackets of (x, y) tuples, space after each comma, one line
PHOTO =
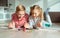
[(36, 17), (19, 18)]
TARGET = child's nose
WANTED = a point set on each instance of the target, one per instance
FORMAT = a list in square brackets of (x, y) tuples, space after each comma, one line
[(34, 14)]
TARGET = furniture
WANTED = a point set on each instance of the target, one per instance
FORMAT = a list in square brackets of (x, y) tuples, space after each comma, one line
[(55, 17)]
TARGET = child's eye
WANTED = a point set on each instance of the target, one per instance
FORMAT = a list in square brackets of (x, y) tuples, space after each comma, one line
[(35, 13), (20, 14)]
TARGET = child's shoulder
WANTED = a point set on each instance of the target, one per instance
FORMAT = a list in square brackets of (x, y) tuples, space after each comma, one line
[(14, 14)]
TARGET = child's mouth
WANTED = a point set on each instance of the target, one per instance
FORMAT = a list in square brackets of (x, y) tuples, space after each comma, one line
[(19, 17)]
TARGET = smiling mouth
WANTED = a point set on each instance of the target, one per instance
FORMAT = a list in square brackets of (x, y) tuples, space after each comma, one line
[(19, 17)]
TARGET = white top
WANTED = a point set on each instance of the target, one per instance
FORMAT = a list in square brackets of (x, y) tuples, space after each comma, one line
[(33, 21)]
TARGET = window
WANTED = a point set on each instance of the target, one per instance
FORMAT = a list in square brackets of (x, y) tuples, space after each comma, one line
[(4, 3)]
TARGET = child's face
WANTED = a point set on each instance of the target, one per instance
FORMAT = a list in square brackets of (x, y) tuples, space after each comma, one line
[(36, 13), (21, 14)]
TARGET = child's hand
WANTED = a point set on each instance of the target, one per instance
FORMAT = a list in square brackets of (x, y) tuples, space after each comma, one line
[(11, 25), (26, 25), (38, 24)]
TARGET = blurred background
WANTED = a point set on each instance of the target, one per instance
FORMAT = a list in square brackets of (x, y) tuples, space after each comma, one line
[(51, 10), (7, 8)]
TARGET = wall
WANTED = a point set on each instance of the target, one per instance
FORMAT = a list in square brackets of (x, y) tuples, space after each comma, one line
[(40, 3), (55, 8), (6, 12)]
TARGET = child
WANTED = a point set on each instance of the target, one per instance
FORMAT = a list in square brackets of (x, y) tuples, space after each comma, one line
[(36, 17), (19, 18)]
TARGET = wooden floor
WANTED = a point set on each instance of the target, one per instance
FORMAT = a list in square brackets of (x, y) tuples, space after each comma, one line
[(42, 33), (51, 32)]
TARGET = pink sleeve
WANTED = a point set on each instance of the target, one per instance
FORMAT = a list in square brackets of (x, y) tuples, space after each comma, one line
[(27, 17), (14, 17)]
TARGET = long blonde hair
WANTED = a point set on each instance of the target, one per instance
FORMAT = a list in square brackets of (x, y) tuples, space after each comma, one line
[(37, 7), (20, 8)]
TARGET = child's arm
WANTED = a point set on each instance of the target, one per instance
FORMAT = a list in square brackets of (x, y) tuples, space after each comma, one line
[(11, 25), (26, 25), (31, 23)]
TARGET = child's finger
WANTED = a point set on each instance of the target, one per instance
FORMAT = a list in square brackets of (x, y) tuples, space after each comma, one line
[(26, 25)]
